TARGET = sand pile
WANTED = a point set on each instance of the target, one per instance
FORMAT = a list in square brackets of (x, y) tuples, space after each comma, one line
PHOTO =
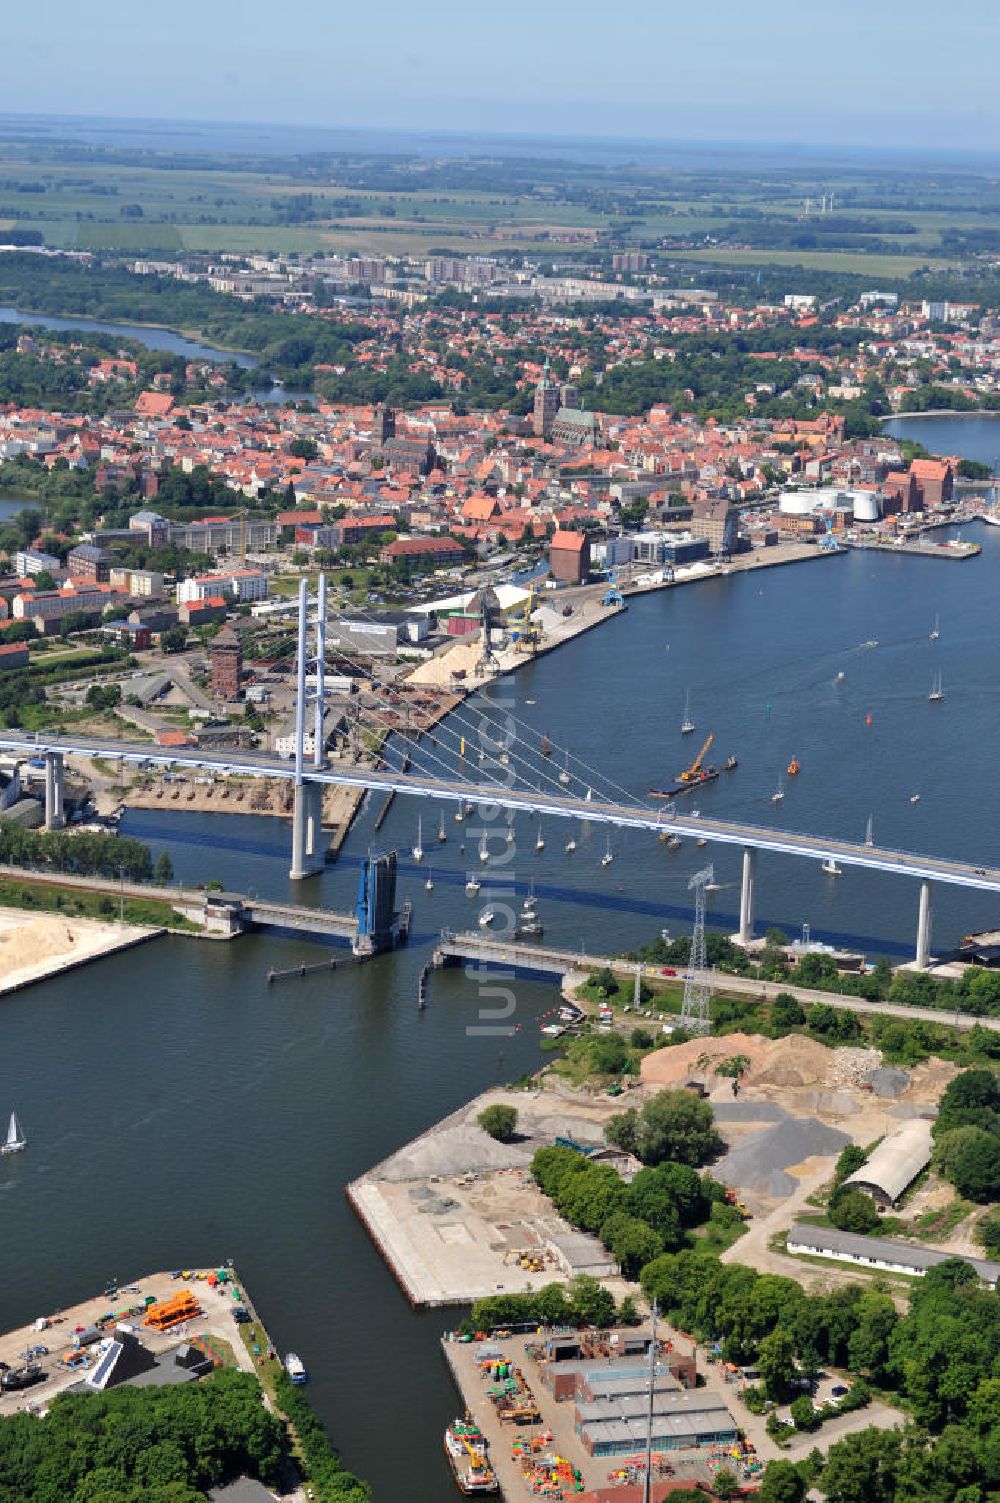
[(793, 1061), (37, 939), (694, 1060)]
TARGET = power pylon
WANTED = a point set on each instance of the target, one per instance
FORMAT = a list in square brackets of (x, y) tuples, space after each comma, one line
[(697, 991)]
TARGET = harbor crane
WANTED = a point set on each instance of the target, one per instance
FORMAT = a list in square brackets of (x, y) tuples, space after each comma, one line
[(528, 636), (697, 991), (692, 774)]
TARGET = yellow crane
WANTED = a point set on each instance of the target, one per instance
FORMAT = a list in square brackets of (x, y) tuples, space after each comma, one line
[(529, 635), (690, 774)]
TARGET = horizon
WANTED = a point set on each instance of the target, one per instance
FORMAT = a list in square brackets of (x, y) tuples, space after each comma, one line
[(772, 76)]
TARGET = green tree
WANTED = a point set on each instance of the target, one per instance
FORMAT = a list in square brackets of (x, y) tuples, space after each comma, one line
[(677, 1125), (782, 1484), (804, 1416), (725, 1483), (849, 1159), (622, 1131), (163, 872), (776, 1360), (604, 981), (852, 1211), (786, 1012), (174, 639), (868, 1347), (632, 1243), (863, 1468), (499, 1121), (976, 1172)]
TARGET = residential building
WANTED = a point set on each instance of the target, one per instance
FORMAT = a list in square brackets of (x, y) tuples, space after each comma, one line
[(88, 562), (241, 585), (31, 561), (417, 553)]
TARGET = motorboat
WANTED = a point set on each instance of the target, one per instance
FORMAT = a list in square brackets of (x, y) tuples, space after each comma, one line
[(486, 918), (570, 846), (608, 857), (442, 832), (295, 1368), (937, 690), (484, 853), (429, 884)]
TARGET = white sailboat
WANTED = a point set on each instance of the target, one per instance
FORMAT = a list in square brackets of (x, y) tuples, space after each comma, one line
[(442, 832), (937, 690), (510, 830), (539, 840), (429, 884), (15, 1139), (418, 849), (831, 868), (473, 885), (564, 775), (869, 832), (607, 858), (935, 631), (687, 724), (570, 845), (529, 904), (484, 851), (779, 792)]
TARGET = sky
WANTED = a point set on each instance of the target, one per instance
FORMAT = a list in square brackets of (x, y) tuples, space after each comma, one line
[(851, 72)]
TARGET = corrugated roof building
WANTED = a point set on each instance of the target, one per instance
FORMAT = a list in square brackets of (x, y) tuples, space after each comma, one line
[(895, 1163)]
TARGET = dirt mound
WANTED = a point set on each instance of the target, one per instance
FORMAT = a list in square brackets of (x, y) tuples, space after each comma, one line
[(35, 940), (792, 1061), (697, 1058)]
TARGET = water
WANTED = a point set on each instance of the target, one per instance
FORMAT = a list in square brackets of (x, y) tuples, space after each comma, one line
[(180, 1110), (975, 437), (152, 338)]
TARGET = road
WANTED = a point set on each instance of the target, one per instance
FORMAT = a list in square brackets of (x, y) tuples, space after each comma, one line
[(500, 796)]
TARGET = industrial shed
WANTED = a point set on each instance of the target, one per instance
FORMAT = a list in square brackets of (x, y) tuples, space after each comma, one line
[(895, 1163), (879, 1254)]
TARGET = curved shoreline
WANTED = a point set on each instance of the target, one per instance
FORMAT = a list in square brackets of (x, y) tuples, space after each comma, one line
[(194, 336), (941, 412)]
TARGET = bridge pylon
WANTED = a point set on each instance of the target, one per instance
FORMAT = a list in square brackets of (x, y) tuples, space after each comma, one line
[(308, 856)]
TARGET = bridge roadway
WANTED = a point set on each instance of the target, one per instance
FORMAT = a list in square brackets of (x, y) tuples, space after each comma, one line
[(561, 806), (516, 955)]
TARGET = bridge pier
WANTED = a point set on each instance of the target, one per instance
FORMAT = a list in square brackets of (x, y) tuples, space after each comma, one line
[(54, 816), (307, 831), (745, 934), (925, 917)]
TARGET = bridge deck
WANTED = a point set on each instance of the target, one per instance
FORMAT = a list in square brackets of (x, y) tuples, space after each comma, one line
[(561, 806)]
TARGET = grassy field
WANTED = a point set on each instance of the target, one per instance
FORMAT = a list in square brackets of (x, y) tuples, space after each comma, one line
[(848, 262), (74, 902), (129, 235)]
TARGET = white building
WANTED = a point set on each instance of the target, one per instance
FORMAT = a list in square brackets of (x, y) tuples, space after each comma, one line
[(241, 585)]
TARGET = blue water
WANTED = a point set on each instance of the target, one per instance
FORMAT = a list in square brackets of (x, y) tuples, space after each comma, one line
[(975, 437), (152, 338)]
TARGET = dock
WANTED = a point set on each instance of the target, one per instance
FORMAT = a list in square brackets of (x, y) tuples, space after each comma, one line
[(921, 549)]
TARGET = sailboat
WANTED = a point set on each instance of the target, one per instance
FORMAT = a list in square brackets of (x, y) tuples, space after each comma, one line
[(429, 884), (570, 845), (484, 853), (473, 885), (831, 868), (418, 849), (779, 792), (15, 1139), (937, 691), (459, 816), (935, 631), (529, 904), (545, 746), (607, 858), (539, 840), (510, 831), (869, 833), (687, 724), (442, 833)]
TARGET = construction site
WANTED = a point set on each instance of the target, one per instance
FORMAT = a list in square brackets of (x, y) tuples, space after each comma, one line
[(457, 1215)]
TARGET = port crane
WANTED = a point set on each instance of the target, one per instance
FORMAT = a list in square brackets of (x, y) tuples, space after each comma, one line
[(692, 774), (529, 636)]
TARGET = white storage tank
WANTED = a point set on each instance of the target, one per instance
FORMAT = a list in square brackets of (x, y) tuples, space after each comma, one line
[(866, 508), (797, 503)]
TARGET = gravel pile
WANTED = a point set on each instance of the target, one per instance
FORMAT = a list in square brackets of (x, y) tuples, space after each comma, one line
[(760, 1161), (887, 1082), (453, 1150)]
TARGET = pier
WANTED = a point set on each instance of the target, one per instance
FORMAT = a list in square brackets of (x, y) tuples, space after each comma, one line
[(909, 546)]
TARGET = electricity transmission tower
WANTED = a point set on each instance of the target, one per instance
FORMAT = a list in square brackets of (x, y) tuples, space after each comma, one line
[(697, 991)]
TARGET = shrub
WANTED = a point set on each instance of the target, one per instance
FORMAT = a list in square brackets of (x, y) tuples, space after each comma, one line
[(852, 1211), (804, 1416)]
